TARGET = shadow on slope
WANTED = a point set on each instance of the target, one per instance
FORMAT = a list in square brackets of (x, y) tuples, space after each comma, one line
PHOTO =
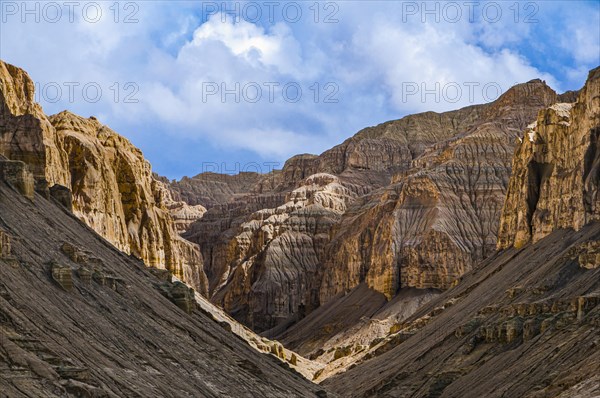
[(80, 318)]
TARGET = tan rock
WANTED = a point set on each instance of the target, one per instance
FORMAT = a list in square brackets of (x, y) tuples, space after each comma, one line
[(16, 174), (421, 203), (555, 180), (26, 133), (112, 186)]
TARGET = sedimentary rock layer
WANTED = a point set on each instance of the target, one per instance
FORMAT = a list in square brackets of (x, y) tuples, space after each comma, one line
[(533, 309), (421, 204), (112, 186), (524, 323), (557, 171)]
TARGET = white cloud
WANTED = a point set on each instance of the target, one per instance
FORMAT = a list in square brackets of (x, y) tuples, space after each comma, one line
[(276, 48), (434, 69), (372, 54)]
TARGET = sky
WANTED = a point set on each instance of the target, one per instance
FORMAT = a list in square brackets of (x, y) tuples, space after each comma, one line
[(231, 86)]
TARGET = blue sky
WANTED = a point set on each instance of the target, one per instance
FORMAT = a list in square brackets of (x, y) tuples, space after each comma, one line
[(229, 85)]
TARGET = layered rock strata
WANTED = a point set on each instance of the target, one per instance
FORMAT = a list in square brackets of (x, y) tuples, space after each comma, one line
[(557, 171), (531, 309), (79, 318), (424, 197), (113, 189)]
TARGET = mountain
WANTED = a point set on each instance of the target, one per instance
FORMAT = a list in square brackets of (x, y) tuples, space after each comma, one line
[(439, 255), (111, 183), (411, 203), (80, 318), (88, 242), (524, 322)]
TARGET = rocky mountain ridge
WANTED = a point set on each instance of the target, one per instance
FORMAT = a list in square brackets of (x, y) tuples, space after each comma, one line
[(79, 318), (425, 195), (557, 171), (113, 189), (531, 310), (377, 260)]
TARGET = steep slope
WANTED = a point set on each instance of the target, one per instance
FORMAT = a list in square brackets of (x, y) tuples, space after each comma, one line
[(112, 186), (524, 323), (421, 203), (80, 318), (439, 216), (350, 327)]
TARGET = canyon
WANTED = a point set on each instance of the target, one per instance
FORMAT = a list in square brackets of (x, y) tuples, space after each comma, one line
[(411, 203), (414, 259)]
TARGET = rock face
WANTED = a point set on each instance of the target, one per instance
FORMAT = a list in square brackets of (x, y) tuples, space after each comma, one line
[(27, 134), (93, 322), (532, 309), (557, 175), (17, 174), (272, 262), (112, 186), (212, 189), (439, 216), (421, 201), (182, 213)]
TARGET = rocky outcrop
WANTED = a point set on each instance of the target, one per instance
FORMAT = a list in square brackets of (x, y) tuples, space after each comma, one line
[(26, 133), (270, 264), (17, 174), (440, 215), (182, 214), (424, 197), (528, 309), (556, 171), (112, 187)]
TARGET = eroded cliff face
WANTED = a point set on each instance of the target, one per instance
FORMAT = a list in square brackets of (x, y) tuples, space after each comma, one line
[(268, 268), (556, 171), (531, 309), (439, 216), (113, 190), (27, 134), (425, 196)]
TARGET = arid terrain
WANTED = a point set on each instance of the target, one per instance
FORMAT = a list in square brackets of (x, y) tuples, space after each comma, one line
[(450, 254)]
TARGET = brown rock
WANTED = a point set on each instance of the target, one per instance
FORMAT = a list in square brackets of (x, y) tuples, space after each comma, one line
[(556, 178), (423, 199), (112, 186), (63, 195), (440, 214), (5, 246), (96, 342), (16, 174), (63, 275), (25, 132)]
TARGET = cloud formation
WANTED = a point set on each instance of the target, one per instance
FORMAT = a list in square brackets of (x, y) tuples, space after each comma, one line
[(221, 88)]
